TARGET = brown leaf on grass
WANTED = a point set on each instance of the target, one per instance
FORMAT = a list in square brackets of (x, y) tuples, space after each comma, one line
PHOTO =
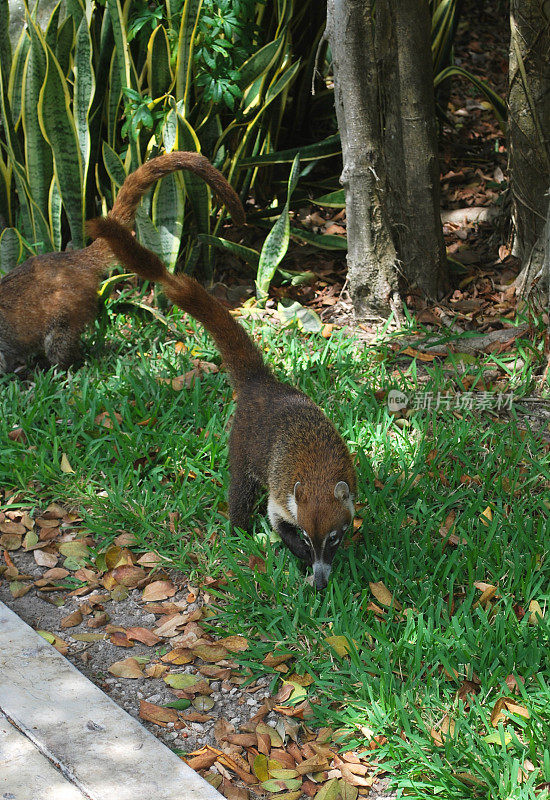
[(316, 763), (106, 421), (127, 668), (150, 560), (486, 516), (275, 659), (17, 435), (384, 596), (235, 644), (446, 531), (445, 730), (210, 652), (347, 791), (143, 635), (222, 730), (409, 351), (512, 683), (157, 714), (535, 612), (158, 590), (129, 575), (178, 656), (486, 597), (72, 620), (202, 760)]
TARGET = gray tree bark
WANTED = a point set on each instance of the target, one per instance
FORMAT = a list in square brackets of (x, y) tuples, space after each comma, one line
[(372, 258), (386, 116), (422, 246), (529, 135)]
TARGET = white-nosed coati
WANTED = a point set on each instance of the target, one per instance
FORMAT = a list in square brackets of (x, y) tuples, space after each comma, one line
[(46, 302), (280, 439)]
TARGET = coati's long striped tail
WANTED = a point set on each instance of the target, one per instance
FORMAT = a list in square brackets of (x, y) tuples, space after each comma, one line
[(139, 181), (241, 357)]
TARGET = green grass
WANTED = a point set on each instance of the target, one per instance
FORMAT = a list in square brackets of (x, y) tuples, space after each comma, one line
[(397, 680)]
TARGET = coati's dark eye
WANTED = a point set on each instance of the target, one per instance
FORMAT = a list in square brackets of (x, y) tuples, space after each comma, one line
[(334, 537), (304, 537)]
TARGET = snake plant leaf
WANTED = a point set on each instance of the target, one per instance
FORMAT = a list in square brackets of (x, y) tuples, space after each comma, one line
[(276, 243), (15, 85), (167, 212), (444, 22), (126, 77), (5, 44), (84, 87), (335, 199), (250, 256), (64, 45), (159, 73), (75, 9), (11, 249), (281, 83), (114, 99), (197, 190), (259, 63), (184, 58), (58, 127), (52, 28), (113, 165), (147, 234), (38, 154), (498, 104), (325, 149), (5, 192), (55, 206)]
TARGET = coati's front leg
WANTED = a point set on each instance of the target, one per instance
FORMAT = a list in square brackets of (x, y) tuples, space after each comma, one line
[(62, 345), (290, 536), (243, 489)]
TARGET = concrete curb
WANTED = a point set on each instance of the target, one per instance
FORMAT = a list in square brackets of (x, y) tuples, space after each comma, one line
[(96, 746)]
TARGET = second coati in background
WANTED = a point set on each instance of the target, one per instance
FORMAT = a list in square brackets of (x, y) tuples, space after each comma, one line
[(46, 302), (279, 439)]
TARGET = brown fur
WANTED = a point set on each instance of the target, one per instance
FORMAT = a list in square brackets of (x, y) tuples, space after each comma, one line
[(280, 439), (46, 302)]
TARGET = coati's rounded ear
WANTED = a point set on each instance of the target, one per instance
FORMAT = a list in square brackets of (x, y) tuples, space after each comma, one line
[(341, 491), (298, 491)]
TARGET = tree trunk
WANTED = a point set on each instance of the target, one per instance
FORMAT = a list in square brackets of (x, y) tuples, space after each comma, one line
[(529, 133), (372, 259), (422, 248)]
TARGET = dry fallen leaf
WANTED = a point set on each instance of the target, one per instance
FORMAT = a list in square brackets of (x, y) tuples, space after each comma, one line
[(127, 668), (64, 465), (158, 590), (157, 714), (384, 596)]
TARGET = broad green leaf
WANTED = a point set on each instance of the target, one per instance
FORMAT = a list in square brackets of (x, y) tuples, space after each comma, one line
[(52, 28), (16, 74), (280, 786), (325, 149), (58, 127), (498, 104), (84, 87), (281, 83), (329, 791), (259, 63), (305, 318), (55, 206), (276, 243), (260, 767), (247, 254), (5, 44), (180, 680), (108, 283), (147, 233), (64, 45), (11, 249), (5, 192), (180, 705), (159, 74), (335, 199), (38, 154), (184, 59), (296, 278), (113, 165), (167, 211)]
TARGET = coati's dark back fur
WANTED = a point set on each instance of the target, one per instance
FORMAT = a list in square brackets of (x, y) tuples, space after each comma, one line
[(280, 438), (46, 302)]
